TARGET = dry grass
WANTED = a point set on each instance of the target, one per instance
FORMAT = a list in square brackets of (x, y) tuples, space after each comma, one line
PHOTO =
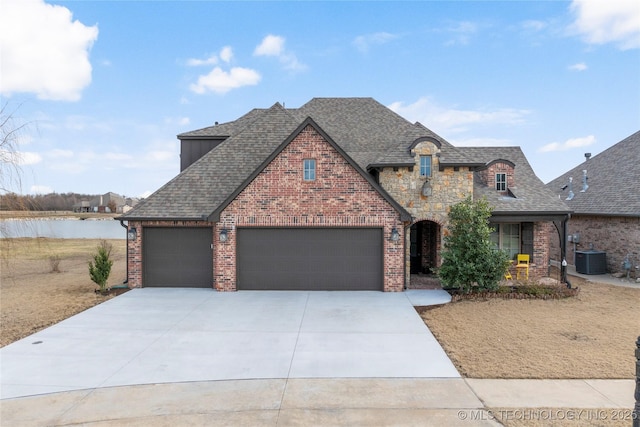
[(33, 296), (591, 335)]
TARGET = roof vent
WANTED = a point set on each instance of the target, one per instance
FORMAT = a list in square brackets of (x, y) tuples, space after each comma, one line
[(571, 195), (587, 156), (585, 186), (215, 124)]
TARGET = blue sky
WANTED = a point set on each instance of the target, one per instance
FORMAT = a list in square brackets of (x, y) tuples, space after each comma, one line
[(105, 86)]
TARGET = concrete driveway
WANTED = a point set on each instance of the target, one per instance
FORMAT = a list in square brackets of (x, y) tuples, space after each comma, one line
[(152, 336)]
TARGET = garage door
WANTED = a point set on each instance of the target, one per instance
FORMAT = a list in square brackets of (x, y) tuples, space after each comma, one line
[(310, 259), (177, 257)]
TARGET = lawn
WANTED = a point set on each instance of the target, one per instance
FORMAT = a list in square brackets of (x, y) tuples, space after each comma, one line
[(592, 335), (34, 296)]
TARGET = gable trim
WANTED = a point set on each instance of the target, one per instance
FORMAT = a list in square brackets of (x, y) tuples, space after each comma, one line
[(493, 162), (425, 139), (215, 215)]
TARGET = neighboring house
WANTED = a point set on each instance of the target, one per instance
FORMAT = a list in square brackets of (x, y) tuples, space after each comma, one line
[(341, 193), (607, 210), (83, 206), (112, 203)]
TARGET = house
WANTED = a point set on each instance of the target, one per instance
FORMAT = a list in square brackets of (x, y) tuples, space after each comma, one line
[(341, 193), (604, 193), (112, 203)]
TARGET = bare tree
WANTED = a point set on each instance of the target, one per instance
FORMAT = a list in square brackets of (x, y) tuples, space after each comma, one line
[(11, 129)]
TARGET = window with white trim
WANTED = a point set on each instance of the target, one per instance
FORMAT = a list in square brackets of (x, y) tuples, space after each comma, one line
[(425, 165), (309, 168), (501, 181)]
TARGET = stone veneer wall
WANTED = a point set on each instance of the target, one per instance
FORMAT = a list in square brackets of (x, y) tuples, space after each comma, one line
[(448, 188), (134, 247), (617, 236), (279, 197)]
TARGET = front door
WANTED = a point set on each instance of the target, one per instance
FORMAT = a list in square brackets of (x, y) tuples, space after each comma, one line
[(416, 249)]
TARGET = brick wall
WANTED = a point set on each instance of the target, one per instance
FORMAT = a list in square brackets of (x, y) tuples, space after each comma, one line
[(617, 236), (541, 243), (279, 197), (488, 175)]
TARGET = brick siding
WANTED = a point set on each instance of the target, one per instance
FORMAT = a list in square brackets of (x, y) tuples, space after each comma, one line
[(617, 236), (338, 197)]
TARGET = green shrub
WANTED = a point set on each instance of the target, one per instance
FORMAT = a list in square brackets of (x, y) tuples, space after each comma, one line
[(100, 267), (469, 261)]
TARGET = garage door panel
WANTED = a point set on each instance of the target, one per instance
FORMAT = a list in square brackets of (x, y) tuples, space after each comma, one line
[(310, 259), (177, 257)]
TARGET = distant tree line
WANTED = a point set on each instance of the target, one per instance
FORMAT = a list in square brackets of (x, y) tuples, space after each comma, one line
[(42, 202)]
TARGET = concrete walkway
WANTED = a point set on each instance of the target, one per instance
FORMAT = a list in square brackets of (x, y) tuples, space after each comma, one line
[(303, 402), (181, 360)]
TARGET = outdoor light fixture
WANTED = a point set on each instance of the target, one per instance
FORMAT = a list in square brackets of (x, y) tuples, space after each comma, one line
[(132, 234), (395, 235), (224, 235)]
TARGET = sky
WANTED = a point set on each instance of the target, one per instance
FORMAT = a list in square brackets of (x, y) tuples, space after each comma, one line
[(98, 90)]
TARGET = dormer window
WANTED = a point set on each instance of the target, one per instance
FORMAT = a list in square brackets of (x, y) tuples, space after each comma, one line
[(425, 166), (501, 181)]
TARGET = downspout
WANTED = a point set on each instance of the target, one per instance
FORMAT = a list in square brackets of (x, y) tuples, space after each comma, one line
[(126, 227), (563, 252)]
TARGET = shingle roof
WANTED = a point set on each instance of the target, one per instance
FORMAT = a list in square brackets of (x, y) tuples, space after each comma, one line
[(202, 187), (367, 132), (531, 195), (613, 179)]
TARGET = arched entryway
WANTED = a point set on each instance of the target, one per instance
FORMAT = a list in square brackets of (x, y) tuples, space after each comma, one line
[(424, 250)]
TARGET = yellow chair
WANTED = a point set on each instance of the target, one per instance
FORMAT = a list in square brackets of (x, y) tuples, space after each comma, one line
[(522, 267), (507, 274)]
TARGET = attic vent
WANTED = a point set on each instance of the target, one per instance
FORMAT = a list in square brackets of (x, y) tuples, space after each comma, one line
[(571, 195), (585, 186), (587, 156)]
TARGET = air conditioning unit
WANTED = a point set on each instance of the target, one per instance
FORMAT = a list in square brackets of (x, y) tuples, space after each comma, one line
[(591, 262)]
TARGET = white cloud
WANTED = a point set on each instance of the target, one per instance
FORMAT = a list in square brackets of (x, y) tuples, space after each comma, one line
[(194, 62), (580, 66), (25, 158), (220, 81), (226, 54), (273, 45), (450, 120), (609, 21), (58, 153), (461, 33), (364, 42), (569, 144), (270, 46), (40, 189), (44, 51)]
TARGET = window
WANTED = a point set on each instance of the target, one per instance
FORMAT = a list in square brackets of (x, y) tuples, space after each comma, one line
[(309, 169), (507, 238), (425, 165), (501, 181)]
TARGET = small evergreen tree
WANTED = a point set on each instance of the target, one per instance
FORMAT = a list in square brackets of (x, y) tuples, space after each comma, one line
[(469, 260), (100, 267)]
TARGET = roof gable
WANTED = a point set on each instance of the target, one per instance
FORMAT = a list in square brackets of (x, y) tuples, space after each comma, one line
[(529, 194), (215, 216)]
